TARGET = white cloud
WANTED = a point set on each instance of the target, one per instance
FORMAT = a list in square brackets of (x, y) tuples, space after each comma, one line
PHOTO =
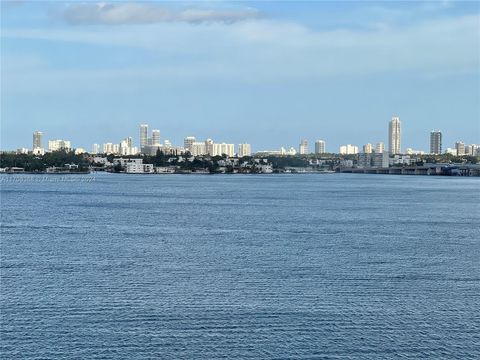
[(269, 51), (142, 13)]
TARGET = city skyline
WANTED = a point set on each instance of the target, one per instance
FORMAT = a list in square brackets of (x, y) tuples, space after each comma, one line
[(272, 73), (150, 144)]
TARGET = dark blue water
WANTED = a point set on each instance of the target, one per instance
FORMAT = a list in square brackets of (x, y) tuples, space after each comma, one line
[(337, 266)]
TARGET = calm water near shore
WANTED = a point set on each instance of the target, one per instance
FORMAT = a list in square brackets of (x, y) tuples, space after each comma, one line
[(246, 266)]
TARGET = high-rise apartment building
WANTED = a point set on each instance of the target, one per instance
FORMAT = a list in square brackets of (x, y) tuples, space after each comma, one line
[(460, 148), (37, 140), (209, 147), (244, 150), (368, 148), (471, 149), (435, 142), (143, 136), (95, 149), (394, 136), (188, 143), (126, 147), (319, 147), (109, 148), (223, 149), (155, 137), (198, 148), (348, 149), (380, 147), (55, 145), (303, 147)]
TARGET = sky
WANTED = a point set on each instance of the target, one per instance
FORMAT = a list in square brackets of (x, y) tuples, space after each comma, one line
[(269, 73)]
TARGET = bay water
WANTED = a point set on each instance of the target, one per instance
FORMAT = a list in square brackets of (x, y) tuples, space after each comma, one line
[(341, 266)]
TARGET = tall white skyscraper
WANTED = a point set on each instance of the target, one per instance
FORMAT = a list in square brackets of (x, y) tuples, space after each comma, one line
[(319, 147), (244, 150), (435, 142), (188, 143), (394, 136), (156, 137), (303, 147), (143, 135), (37, 140)]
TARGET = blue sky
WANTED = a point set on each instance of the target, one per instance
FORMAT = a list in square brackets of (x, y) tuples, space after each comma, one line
[(269, 73)]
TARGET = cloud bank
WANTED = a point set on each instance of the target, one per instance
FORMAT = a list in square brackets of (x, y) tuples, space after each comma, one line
[(140, 13)]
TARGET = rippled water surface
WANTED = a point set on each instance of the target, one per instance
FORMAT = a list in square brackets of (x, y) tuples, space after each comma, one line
[(290, 266)]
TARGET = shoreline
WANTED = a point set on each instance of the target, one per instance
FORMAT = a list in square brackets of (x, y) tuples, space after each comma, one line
[(343, 171)]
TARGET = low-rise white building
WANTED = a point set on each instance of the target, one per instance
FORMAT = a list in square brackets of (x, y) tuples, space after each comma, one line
[(38, 151), (410, 151), (400, 160)]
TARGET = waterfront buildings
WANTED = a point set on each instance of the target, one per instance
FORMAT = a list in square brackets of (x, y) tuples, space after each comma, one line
[(55, 145), (303, 147), (134, 166), (460, 148), (373, 160), (282, 151), (394, 136), (348, 149), (208, 147), (320, 147), (435, 142), (368, 148), (380, 147), (244, 150)]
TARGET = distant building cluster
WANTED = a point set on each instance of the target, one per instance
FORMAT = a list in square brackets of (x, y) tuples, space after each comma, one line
[(150, 144), (208, 147), (394, 144)]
